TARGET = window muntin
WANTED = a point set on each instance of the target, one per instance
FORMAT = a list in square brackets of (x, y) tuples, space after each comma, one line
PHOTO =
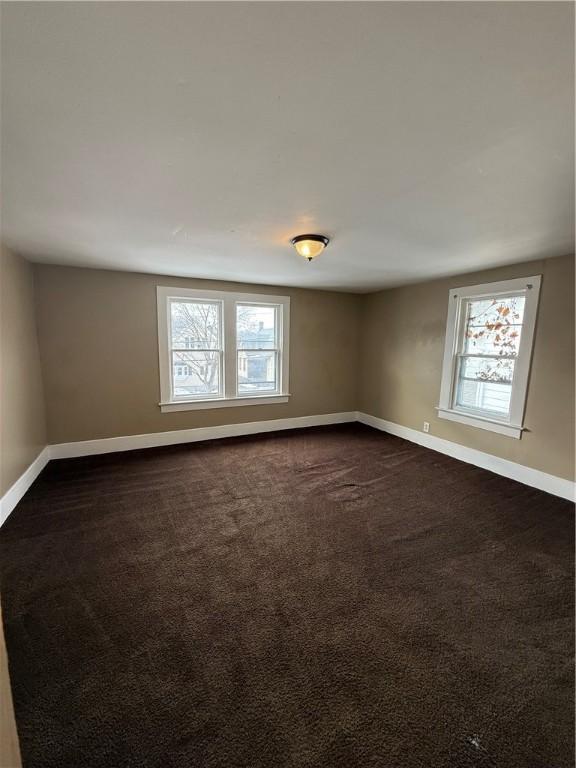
[(487, 354), (257, 348)]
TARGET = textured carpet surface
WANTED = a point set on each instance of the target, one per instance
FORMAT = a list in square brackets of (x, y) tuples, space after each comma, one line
[(332, 597)]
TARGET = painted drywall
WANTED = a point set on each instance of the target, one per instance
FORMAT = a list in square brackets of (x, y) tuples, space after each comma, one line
[(403, 333), (22, 422), (9, 746), (99, 348)]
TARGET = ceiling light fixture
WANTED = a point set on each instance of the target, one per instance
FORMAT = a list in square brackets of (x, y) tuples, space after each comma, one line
[(310, 246)]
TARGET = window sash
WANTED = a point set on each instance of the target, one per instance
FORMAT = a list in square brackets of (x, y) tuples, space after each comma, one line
[(454, 355), (478, 410), (277, 320), (185, 300), (219, 349), (277, 349), (461, 356), (277, 360), (200, 395), (458, 365)]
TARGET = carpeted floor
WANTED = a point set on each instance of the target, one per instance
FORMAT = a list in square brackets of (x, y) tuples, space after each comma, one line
[(328, 598)]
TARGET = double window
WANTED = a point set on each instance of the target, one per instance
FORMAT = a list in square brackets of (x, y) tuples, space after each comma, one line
[(220, 348), (487, 354)]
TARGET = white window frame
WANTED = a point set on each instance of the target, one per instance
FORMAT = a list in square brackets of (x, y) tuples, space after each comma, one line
[(229, 396), (455, 329)]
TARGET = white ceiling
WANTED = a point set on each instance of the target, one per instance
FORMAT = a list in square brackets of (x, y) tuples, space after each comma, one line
[(196, 138)]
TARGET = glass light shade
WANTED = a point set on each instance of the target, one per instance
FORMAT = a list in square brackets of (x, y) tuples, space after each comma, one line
[(310, 246)]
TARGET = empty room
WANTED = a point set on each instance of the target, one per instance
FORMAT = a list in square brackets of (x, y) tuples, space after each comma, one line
[(287, 393)]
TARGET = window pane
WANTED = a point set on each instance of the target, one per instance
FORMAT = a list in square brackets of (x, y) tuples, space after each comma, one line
[(255, 327), (195, 373), (485, 384), (494, 326), (195, 325), (257, 371), (485, 396), (495, 310)]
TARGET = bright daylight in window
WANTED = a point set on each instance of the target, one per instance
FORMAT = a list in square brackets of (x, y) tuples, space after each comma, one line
[(486, 365), (196, 328), (220, 348), (257, 344), (487, 355)]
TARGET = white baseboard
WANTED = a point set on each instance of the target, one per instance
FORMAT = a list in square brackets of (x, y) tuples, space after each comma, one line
[(15, 493), (155, 439), (533, 477), (557, 486)]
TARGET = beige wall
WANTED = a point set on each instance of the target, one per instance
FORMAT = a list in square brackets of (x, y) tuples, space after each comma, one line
[(22, 424), (9, 747), (403, 343), (99, 343)]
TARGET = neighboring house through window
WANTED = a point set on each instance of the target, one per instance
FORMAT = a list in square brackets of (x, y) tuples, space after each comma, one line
[(489, 339), (222, 348), (257, 347)]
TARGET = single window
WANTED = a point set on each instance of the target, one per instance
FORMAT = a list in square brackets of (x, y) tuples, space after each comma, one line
[(487, 354), (221, 348)]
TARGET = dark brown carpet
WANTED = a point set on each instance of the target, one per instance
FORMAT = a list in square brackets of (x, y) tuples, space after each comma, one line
[(328, 597)]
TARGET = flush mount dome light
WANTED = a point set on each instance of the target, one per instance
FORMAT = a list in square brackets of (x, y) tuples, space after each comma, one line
[(310, 246)]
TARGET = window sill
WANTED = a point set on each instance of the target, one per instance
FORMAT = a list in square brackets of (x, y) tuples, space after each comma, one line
[(222, 402), (503, 428)]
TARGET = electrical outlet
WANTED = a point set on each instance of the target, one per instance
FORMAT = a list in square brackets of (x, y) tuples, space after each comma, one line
[(426, 426)]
